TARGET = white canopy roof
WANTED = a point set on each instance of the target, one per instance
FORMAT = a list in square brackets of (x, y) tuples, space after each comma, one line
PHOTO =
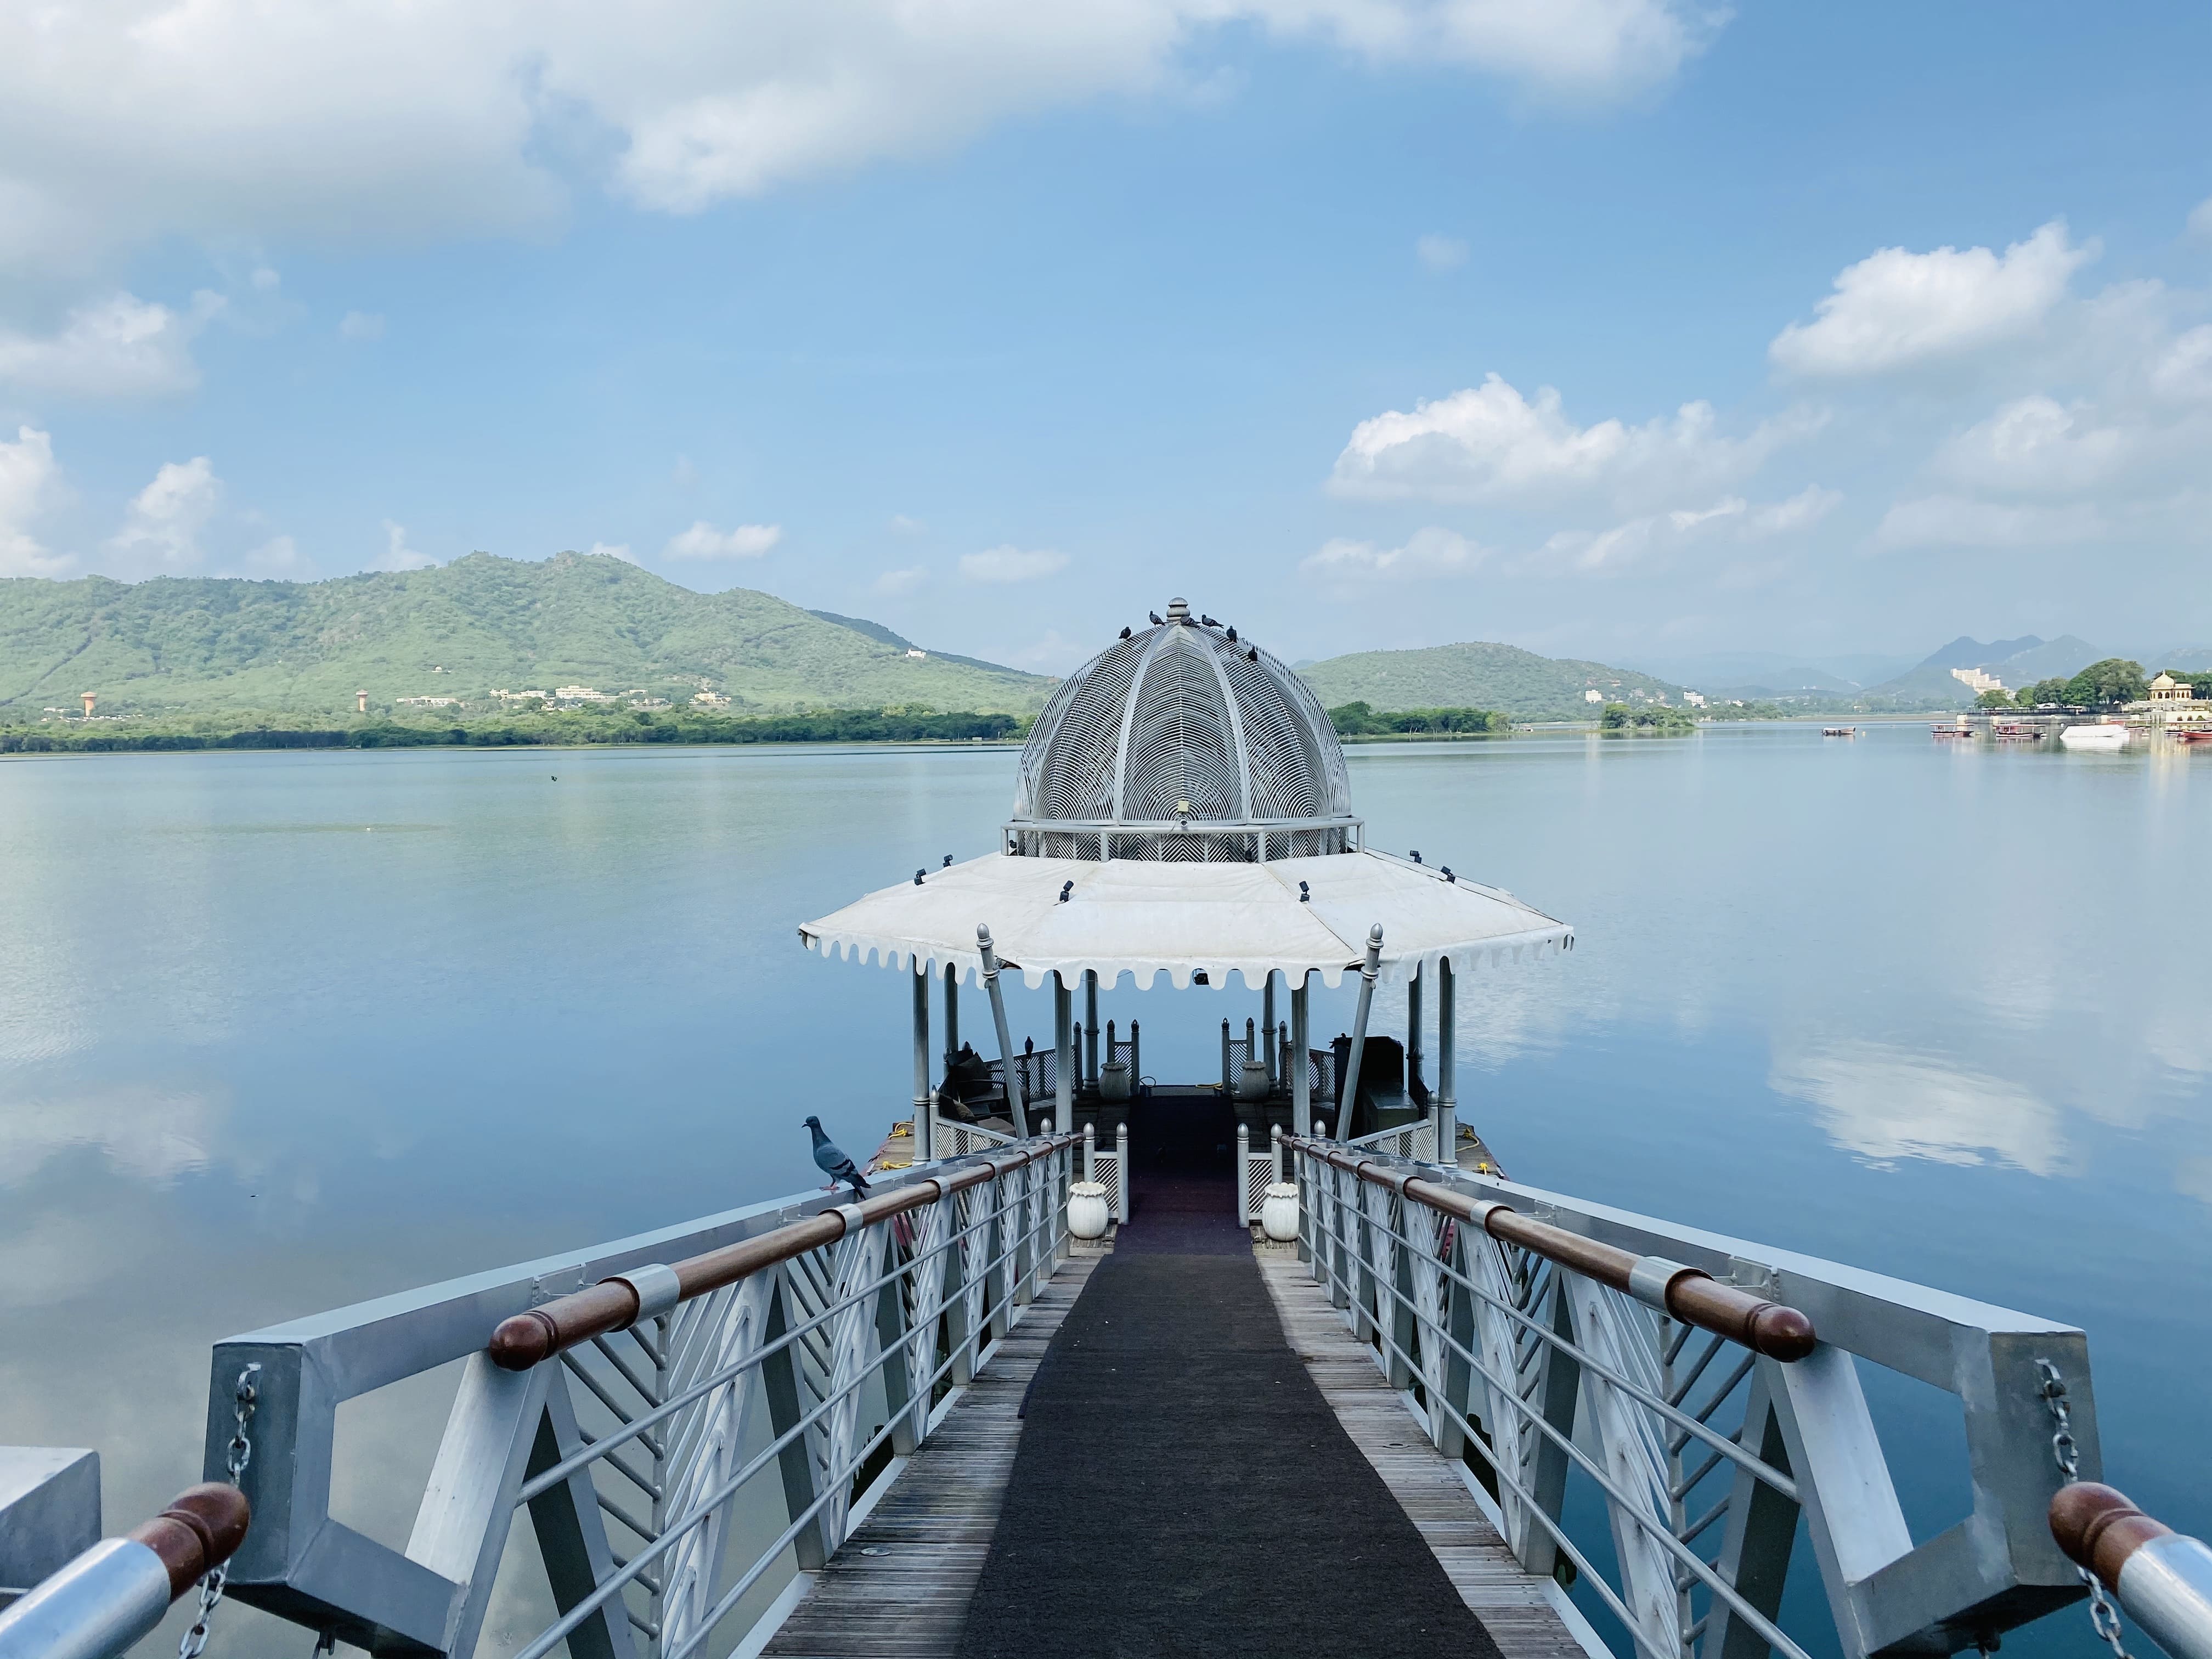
[(1144, 917)]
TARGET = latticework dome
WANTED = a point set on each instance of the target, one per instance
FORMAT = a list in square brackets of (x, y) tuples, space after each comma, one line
[(1182, 743)]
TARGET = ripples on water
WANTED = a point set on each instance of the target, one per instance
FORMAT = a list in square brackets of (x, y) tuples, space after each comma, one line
[(279, 1032)]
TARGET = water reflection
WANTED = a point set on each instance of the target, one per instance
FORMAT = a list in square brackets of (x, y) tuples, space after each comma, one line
[(1905, 1005), (1883, 1104)]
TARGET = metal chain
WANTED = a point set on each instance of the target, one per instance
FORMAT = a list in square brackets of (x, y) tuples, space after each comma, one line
[(2104, 1617), (239, 1453)]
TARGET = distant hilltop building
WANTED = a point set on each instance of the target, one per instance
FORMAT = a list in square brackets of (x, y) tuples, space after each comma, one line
[(915, 653), (360, 703), (90, 697), (1976, 681), (520, 697), (2166, 689), (427, 702), (583, 694), (710, 700), (1695, 699), (1592, 696)]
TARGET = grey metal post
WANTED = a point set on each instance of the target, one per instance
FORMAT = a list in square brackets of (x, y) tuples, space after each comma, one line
[(1136, 1070), (1267, 1021), (1225, 1079), (1301, 1061), (951, 1012), (1090, 1026), (1412, 1031), (1006, 1067), (1063, 1060), (1121, 1170), (1275, 1146), (1368, 970), (1446, 1068), (924, 1128)]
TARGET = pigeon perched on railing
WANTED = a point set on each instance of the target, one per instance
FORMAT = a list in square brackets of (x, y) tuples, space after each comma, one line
[(831, 1160)]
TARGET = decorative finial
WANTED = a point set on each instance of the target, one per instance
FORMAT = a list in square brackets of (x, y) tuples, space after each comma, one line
[(1178, 611)]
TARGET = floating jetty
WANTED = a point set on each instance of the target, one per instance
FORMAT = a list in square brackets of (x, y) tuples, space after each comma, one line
[(1103, 1364)]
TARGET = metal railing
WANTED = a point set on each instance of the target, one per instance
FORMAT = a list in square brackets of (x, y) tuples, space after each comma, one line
[(687, 1417), (114, 1593), (1706, 1390), (2163, 1577), (1415, 1141)]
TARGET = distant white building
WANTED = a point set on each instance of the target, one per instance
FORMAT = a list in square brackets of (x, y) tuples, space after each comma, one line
[(710, 700), (1695, 699), (1592, 696), (1976, 681), (915, 653), (427, 702), (583, 694)]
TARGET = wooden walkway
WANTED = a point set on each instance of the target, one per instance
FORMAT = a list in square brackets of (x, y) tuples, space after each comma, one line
[(899, 1587), (1516, 1608)]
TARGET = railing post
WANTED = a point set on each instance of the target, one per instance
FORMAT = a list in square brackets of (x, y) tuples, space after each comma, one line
[(1121, 1162), (1243, 1160), (1275, 1147), (1091, 1152)]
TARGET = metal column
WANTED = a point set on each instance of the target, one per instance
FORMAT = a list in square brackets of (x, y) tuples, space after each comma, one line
[(951, 1012), (1007, 1072), (1090, 1026), (1063, 1058), (925, 1131), (1301, 1061), (1267, 1019), (1447, 1067), (1368, 970), (1412, 1031)]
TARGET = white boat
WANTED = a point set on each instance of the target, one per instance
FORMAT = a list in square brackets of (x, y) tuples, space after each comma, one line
[(2094, 737)]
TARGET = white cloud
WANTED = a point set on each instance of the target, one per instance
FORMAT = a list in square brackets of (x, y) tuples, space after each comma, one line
[(362, 325), (703, 541), (1895, 309), (895, 583), (30, 478), (126, 120), (615, 551), (2033, 444), (119, 347), (2200, 218), (161, 532), (1800, 512), (2181, 371), (1427, 552), (1055, 654), (906, 526), (684, 475), (1657, 538), (398, 555), (1441, 252), (280, 558), (1961, 521), (1488, 444), (1011, 564), (265, 280)]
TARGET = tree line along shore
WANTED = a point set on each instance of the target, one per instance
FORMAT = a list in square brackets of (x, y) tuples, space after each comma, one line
[(570, 727)]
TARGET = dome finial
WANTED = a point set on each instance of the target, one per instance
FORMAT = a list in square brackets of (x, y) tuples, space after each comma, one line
[(1178, 611)]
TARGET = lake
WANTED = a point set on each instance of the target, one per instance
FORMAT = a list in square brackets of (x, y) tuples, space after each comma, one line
[(282, 1031)]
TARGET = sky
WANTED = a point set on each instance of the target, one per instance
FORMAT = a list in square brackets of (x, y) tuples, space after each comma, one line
[(1622, 329)]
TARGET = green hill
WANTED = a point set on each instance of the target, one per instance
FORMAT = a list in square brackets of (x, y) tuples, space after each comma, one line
[(464, 630), (1477, 676)]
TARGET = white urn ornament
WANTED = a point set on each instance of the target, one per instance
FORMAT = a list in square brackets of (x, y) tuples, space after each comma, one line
[(1086, 1209), (1279, 1212)]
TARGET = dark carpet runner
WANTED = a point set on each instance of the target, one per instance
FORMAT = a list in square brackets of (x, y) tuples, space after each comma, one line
[(1182, 1487)]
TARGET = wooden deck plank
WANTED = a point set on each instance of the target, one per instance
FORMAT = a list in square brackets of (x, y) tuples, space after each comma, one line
[(934, 1526), (1515, 1607)]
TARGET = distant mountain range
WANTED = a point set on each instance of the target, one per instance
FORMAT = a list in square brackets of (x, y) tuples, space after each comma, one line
[(463, 630), (2016, 662), (1478, 675)]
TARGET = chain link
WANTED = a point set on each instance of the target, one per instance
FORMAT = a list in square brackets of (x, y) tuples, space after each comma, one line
[(236, 1455), (2104, 1617)]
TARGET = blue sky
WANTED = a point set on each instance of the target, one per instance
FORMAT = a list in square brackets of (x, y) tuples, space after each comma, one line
[(1610, 328)]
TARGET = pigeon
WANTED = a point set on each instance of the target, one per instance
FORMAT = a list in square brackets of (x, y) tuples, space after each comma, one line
[(1206, 621), (1158, 621), (1125, 633), (1232, 636), (832, 1162)]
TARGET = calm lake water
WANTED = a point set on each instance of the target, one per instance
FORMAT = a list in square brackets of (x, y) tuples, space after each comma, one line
[(280, 1032)]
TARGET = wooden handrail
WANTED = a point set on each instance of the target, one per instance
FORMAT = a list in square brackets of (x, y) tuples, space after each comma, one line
[(197, 1533), (614, 1304), (1690, 1294)]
